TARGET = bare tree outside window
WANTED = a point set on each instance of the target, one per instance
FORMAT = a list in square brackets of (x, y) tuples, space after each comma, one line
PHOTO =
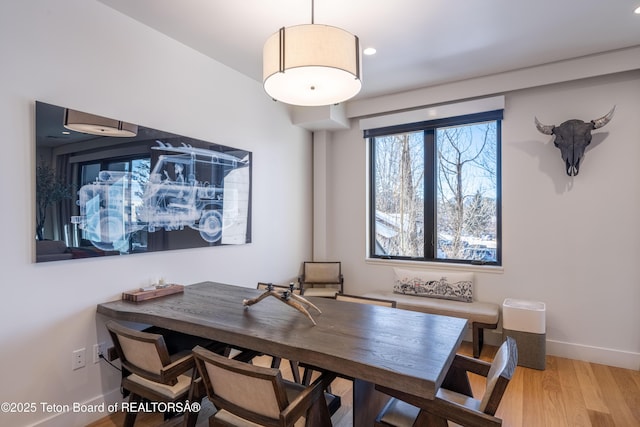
[(435, 193), (399, 187), (467, 191)]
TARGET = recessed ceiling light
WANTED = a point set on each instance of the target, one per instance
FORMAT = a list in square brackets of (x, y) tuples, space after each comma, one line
[(369, 51), (637, 10)]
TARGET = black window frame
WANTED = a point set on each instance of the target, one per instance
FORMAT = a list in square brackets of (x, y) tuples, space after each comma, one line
[(429, 128)]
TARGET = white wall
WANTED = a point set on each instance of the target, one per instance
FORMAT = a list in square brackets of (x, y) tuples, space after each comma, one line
[(572, 243), (84, 55)]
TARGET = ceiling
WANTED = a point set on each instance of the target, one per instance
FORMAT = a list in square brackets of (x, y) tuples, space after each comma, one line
[(419, 43)]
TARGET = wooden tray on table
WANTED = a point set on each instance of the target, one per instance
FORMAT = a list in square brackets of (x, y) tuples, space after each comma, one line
[(143, 294)]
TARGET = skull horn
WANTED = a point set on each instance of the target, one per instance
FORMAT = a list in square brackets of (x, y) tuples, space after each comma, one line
[(598, 123), (546, 129)]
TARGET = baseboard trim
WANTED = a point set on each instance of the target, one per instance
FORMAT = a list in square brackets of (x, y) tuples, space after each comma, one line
[(82, 418), (601, 355), (604, 356)]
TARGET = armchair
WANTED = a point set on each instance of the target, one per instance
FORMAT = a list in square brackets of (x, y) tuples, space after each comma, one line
[(321, 279), (458, 406), (246, 394), (149, 371)]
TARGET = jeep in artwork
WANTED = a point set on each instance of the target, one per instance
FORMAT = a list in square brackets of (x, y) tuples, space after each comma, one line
[(198, 188)]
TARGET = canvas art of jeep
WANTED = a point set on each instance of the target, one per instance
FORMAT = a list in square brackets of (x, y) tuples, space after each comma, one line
[(201, 189)]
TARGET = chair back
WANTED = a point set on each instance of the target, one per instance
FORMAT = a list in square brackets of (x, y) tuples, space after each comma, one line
[(502, 368), (321, 279), (250, 392), (366, 300), (322, 272), (141, 353)]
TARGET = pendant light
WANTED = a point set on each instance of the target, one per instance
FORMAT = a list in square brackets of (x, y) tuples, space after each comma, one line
[(312, 64)]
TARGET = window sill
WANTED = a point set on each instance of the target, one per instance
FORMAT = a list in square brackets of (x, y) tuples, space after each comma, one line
[(493, 269)]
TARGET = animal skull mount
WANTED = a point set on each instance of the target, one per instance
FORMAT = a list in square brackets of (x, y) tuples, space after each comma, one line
[(572, 138)]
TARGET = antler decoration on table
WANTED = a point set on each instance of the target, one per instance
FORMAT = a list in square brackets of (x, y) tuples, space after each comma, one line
[(301, 304)]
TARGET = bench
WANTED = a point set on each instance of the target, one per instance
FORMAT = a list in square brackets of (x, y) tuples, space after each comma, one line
[(482, 315)]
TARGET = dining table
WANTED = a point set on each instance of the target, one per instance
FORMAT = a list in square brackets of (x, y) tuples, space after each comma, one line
[(369, 344)]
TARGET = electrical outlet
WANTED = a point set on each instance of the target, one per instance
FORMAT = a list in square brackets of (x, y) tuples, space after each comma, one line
[(78, 358), (98, 350)]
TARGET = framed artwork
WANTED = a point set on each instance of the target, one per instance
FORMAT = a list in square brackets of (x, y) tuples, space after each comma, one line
[(106, 187)]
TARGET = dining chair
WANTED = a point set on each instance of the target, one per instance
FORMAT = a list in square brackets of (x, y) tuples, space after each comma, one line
[(366, 300), (454, 401), (150, 372), (249, 395), (321, 279)]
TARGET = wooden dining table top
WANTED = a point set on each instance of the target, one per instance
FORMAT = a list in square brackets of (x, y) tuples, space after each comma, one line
[(399, 349)]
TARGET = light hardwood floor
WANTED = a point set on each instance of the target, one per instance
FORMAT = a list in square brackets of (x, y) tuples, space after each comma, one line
[(567, 393)]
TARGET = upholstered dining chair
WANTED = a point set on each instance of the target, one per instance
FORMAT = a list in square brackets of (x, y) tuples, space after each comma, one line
[(459, 407), (321, 279), (366, 300), (150, 372), (249, 395)]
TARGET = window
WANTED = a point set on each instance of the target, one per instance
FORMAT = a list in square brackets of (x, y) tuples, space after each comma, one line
[(435, 190)]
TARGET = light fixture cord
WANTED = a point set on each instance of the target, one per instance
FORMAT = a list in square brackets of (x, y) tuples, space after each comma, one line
[(312, 17)]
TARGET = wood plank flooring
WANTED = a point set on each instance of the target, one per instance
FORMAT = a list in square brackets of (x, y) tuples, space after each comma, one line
[(568, 393)]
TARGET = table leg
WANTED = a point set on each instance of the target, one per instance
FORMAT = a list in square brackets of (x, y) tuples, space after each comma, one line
[(367, 403)]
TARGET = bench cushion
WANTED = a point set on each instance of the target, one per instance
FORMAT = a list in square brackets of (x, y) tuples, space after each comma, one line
[(476, 311)]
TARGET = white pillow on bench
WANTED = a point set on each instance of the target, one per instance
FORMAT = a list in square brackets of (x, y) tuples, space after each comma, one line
[(434, 284)]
